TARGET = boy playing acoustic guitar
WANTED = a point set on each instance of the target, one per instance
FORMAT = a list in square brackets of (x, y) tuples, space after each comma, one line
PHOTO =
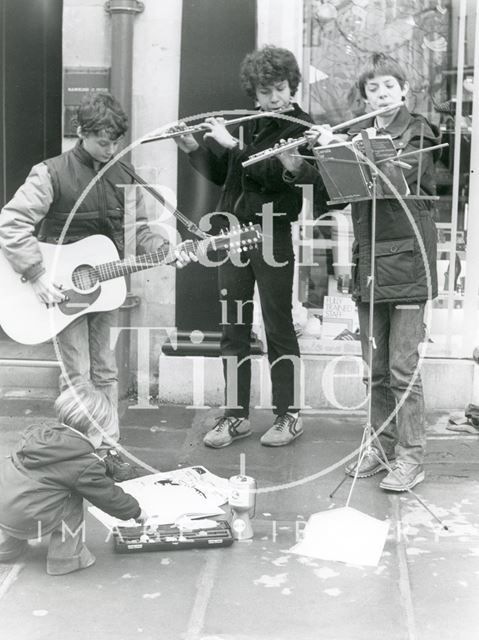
[(40, 210)]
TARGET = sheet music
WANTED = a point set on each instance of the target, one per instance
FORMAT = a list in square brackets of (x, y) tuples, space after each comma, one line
[(167, 496)]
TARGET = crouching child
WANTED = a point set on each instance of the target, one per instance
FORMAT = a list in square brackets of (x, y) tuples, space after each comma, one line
[(53, 468)]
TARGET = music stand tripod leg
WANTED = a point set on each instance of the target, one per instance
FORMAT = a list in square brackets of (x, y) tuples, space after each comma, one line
[(391, 470), (365, 446)]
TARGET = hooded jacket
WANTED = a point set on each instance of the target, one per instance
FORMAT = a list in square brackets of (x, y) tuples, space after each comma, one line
[(247, 189), (49, 464)]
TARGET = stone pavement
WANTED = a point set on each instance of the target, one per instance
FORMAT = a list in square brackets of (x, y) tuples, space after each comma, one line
[(426, 586)]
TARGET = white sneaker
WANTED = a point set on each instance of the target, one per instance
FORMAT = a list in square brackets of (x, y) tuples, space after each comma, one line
[(285, 429), (403, 476), (227, 430)]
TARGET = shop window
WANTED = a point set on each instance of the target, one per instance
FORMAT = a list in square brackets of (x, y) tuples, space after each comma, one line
[(427, 37)]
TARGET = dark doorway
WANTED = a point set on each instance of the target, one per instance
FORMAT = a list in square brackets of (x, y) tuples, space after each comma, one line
[(30, 99), (30, 104), (216, 35)]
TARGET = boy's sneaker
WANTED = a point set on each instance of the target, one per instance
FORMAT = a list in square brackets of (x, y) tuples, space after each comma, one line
[(404, 476), (227, 430), (370, 464), (118, 468), (285, 429)]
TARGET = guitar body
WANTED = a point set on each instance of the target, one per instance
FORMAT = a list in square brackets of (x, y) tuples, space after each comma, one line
[(28, 321), (91, 275)]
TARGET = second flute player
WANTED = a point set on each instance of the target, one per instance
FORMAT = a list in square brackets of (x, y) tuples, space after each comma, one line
[(405, 276), (271, 76)]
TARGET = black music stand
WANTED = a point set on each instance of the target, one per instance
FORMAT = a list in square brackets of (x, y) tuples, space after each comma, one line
[(368, 160)]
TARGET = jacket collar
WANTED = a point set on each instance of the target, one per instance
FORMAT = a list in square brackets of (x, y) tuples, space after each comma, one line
[(263, 123), (395, 128), (82, 155)]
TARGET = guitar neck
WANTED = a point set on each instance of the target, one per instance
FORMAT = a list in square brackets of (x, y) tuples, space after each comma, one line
[(166, 255)]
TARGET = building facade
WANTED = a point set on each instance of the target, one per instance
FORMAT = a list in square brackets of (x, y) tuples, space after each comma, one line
[(179, 59)]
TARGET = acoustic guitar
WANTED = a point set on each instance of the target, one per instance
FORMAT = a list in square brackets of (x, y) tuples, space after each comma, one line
[(90, 286)]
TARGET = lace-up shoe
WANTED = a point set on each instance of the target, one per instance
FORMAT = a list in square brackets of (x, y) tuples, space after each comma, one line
[(285, 429), (370, 464), (404, 476), (118, 468), (227, 430)]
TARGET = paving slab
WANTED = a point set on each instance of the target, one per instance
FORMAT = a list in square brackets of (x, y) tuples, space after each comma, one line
[(426, 585)]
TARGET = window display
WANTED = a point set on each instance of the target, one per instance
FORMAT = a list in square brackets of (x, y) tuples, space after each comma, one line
[(433, 40)]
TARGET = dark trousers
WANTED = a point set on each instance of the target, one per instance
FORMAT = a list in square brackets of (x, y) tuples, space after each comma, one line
[(275, 285)]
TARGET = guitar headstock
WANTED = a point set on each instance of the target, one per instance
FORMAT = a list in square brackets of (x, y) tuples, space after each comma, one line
[(239, 238)]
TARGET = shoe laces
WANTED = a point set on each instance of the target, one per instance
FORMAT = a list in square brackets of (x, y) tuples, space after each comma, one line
[(372, 452), (400, 466), (223, 424), (282, 422), (115, 457)]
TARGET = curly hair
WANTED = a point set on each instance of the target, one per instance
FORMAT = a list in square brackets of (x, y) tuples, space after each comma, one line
[(102, 112), (379, 64), (264, 67)]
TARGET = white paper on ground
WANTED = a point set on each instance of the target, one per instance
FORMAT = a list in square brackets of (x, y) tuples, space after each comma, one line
[(214, 487), (344, 535), (169, 495)]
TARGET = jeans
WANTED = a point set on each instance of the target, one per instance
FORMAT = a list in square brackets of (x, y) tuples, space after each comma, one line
[(66, 549), (86, 354), (396, 381), (275, 286)]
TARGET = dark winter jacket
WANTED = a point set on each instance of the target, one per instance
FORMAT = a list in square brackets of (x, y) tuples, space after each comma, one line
[(405, 270), (49, 464), (246, 189)]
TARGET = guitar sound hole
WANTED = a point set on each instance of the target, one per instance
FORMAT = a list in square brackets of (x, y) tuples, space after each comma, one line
[(84, 277)]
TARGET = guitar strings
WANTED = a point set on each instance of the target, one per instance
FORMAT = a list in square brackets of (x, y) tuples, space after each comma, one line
[(87, 278)]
